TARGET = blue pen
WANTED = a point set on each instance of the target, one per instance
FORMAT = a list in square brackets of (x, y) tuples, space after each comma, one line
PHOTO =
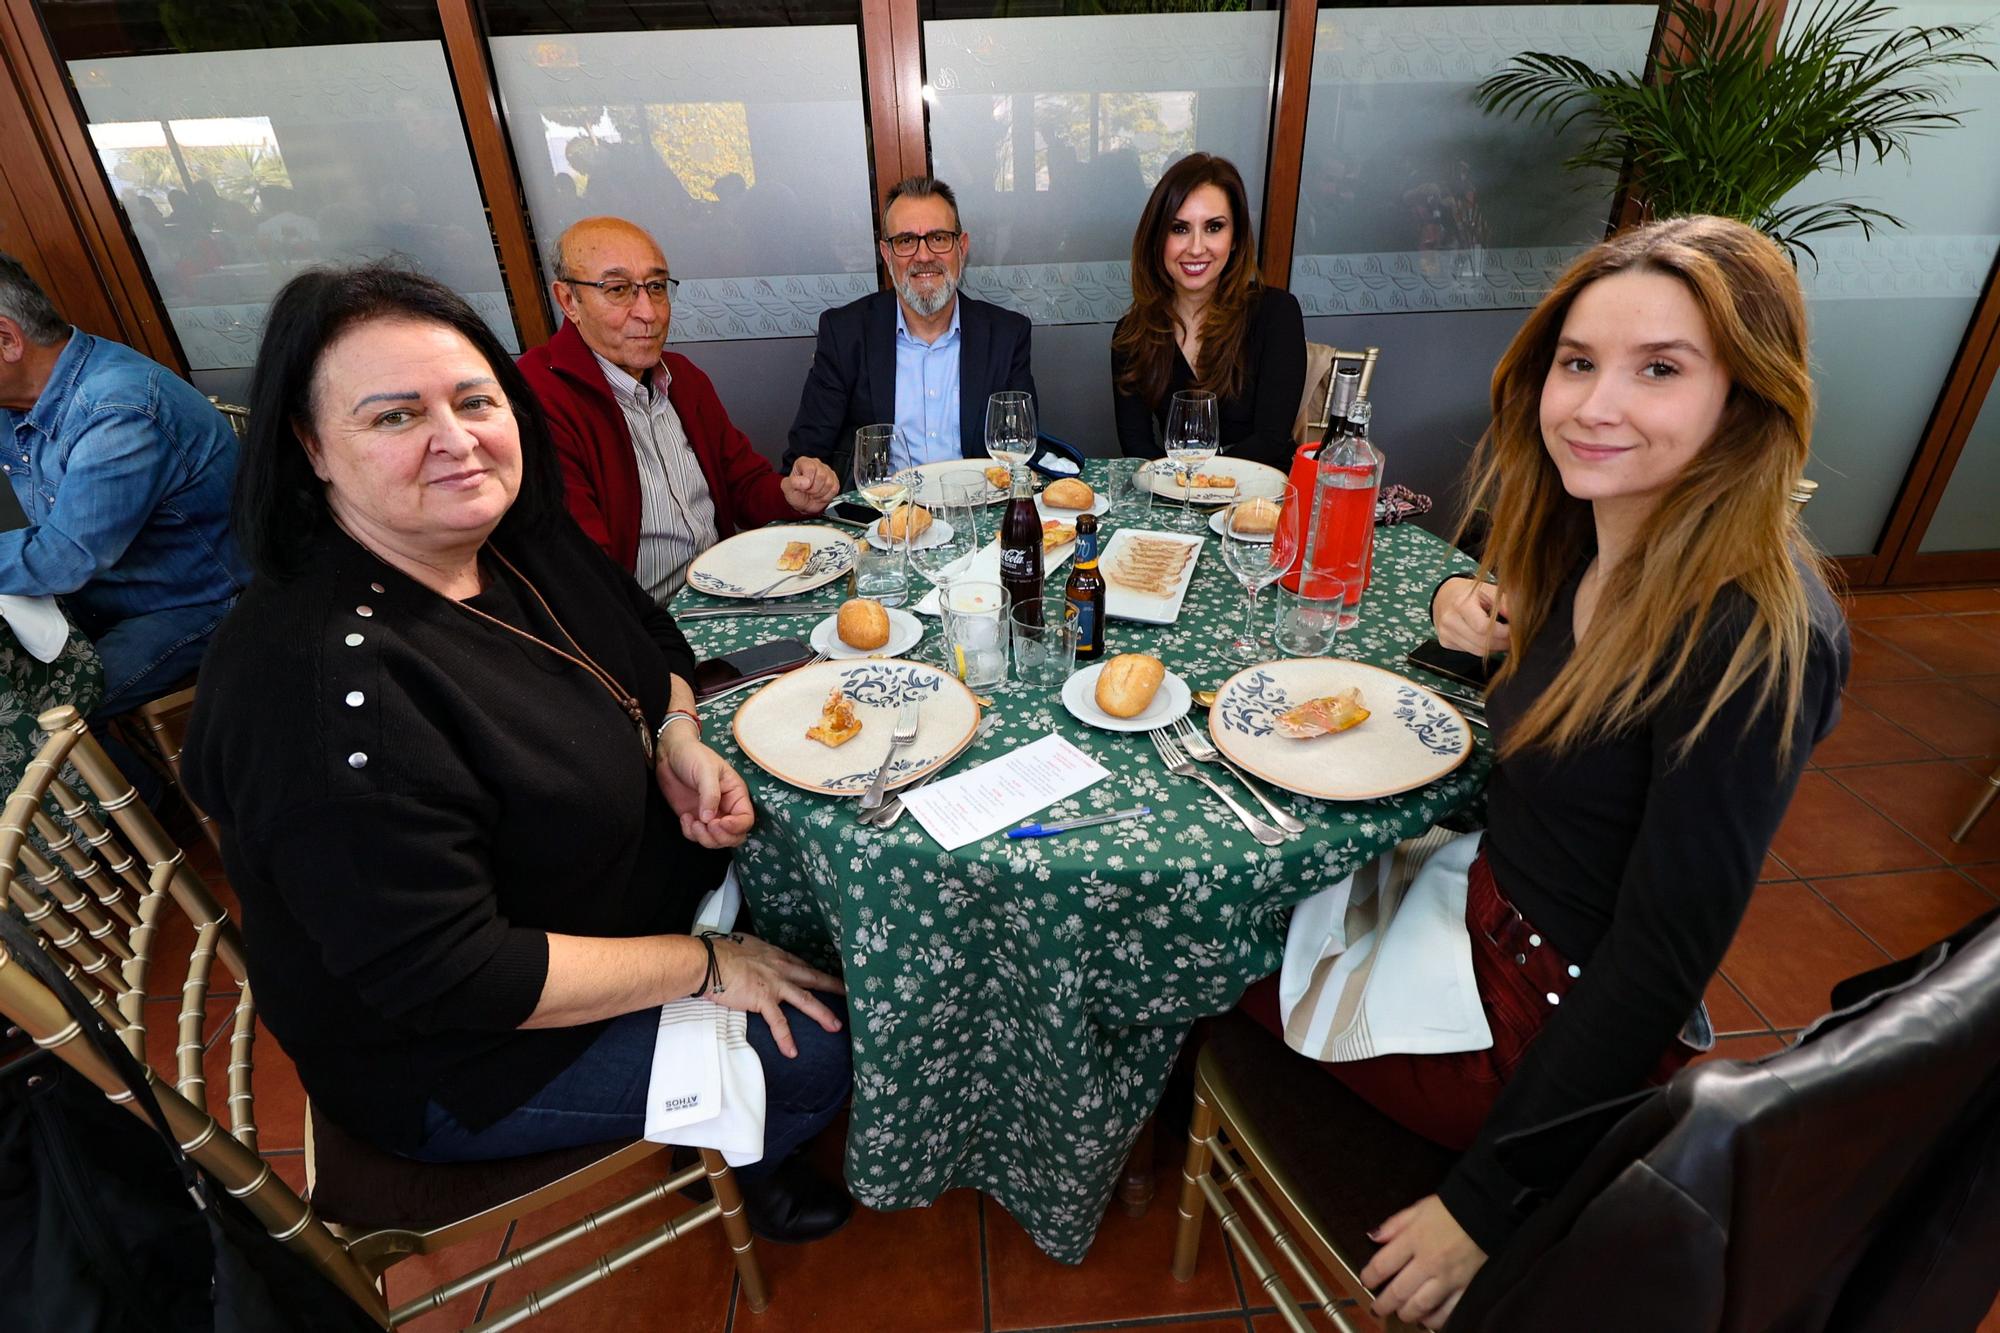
[(1065, 825)]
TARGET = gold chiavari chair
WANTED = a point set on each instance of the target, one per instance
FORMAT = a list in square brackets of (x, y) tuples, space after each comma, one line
[(1312, 1165), (161, 725), (101, 895)]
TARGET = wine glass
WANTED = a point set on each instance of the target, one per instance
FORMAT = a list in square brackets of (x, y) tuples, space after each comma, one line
[(880, 484), (1258, 547), (941, 557), (1194, 433), (1010, 426)]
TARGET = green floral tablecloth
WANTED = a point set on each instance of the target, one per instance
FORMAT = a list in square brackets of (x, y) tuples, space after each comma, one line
[(29, 688), (1017, 1006)]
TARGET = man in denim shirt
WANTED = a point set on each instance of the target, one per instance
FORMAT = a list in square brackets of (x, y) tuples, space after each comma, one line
[(125, 472)]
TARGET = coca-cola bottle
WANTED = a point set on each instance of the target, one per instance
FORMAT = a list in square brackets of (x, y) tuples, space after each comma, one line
[(1021, 549)]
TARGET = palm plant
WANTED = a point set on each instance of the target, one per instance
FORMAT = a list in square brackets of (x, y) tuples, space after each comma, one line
[(1718, 128)]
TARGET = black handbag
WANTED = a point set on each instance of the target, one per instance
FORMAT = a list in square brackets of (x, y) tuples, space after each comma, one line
[(107, 1226)]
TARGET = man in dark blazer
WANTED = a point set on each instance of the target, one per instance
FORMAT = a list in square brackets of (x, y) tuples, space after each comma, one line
[(922, 356)]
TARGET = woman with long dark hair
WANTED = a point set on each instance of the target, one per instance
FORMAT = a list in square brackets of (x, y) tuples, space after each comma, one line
[(463, 791), (1674, 654), (1201, 318)]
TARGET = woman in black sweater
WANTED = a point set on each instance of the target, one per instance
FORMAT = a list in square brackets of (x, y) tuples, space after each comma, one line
[(464, 796), (1202, 319), (1674, 657)]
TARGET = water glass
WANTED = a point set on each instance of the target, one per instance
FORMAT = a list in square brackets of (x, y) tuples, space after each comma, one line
[(1127, 485), (1010, 426), (883, 575), (1045, 645), (975, 615), (1308, 623), (964, 493), (1258, 546)]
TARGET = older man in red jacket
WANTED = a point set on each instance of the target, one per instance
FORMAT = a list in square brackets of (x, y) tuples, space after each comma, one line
[(655, 471)]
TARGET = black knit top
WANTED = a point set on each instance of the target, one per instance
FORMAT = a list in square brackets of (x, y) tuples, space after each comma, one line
[(1257, 422), (411, 797)]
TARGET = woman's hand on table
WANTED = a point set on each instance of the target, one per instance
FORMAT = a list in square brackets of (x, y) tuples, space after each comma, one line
[(1425, 1264), (758, 977), (1470, 616), (701, 787)]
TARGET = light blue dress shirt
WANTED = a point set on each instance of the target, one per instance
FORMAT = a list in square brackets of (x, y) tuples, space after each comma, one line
[(926, 395)]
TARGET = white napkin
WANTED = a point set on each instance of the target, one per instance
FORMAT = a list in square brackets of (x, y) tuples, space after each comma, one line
[(38, 623), (707, 1085), (985, 564), (1381, 963)]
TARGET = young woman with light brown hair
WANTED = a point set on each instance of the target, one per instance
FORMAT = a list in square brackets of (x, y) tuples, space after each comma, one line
[(1202, 319), (1673, 655)]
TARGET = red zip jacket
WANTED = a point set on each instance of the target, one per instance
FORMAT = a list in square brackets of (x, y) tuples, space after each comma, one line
[(600, 474)]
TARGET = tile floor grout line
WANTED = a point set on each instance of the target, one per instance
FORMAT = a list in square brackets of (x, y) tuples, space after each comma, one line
[(1147, 1321), (1856, 925), (1761, 1016), (1235, 1270), (1897, 824), (985, 1272), (729, 1309), (486, 1292)]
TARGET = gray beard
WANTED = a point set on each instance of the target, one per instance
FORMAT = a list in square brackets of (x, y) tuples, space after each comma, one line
[(931, 304)]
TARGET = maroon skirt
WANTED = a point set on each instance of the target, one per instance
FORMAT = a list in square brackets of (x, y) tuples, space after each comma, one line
[(1521, 978)]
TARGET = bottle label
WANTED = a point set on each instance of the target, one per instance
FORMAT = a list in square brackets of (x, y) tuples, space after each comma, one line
[(1089, 634), (1020, 564)]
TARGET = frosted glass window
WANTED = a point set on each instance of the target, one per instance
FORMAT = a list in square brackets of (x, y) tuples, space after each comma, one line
[(1412, 198), (1888, 313), (1053, 132), (743, 151), (1968, 514), (237, 169)]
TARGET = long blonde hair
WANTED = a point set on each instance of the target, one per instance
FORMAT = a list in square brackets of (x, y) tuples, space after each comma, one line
[(1728, 518)]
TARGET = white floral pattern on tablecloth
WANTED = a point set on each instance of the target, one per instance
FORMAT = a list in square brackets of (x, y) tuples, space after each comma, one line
[(1016, 1006)]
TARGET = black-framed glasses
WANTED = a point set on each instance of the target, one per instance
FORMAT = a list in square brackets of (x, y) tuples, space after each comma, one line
[(940, 242), (620, 292)]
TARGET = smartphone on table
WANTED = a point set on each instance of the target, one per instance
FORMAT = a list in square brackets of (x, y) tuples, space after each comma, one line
[(774, 658), (1465, 668)]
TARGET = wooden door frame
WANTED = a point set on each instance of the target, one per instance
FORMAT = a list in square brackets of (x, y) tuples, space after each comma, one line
[(1284, 164), (1901, 561), (469, 61), (99, 243)]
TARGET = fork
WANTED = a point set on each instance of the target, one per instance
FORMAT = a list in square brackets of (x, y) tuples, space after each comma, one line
[(906, 731), (891, 810), (1203, 751), (780, 581), (1177, 763), (814, 660)]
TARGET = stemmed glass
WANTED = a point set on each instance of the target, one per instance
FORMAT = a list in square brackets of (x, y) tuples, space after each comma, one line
[(1194, 433), (1010, 426), (881, 485), (940, 558), (1258, 546)]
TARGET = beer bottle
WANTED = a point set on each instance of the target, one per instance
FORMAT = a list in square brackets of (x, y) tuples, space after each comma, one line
[(1085, 592)]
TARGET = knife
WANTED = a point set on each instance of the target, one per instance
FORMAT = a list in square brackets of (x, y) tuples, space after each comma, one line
[(756, 609)]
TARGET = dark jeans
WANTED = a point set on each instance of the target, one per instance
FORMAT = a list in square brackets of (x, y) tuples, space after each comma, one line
[(602, 1096)]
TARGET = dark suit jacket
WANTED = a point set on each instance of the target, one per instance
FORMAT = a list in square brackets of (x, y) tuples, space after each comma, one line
[(853, 378)]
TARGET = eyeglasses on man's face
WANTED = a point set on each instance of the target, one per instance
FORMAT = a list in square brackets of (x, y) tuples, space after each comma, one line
[(618, 291), (939, 242)]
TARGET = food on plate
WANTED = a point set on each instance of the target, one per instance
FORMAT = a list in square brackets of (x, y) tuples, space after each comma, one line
[(1069, 493), (1256, 516), (1126, 686), (837, 723), (999, 477), (908, 519), (1322, 716), (862, 623), (1211, 481), (1055, 533), (1150, 565), (795, 556)]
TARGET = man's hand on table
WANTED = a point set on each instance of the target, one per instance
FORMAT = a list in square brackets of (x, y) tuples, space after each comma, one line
[(1427, 1262), (701, 787), (758, 977), (1471, 616), (810, 485)]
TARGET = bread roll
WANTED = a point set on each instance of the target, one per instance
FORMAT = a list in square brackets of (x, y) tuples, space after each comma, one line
[(863, 624), (916, 518), (1256, 516), (1069, 493), (1126, 686)]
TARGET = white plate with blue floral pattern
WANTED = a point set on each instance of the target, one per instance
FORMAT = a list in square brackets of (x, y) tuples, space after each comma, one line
[(771, 725), (746, 565), (1411, 736)]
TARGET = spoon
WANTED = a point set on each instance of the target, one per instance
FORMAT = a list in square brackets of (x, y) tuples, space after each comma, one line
[(1204, 698)]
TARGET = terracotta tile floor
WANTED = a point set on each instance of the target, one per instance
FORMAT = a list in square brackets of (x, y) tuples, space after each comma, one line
[(1862, 871)]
